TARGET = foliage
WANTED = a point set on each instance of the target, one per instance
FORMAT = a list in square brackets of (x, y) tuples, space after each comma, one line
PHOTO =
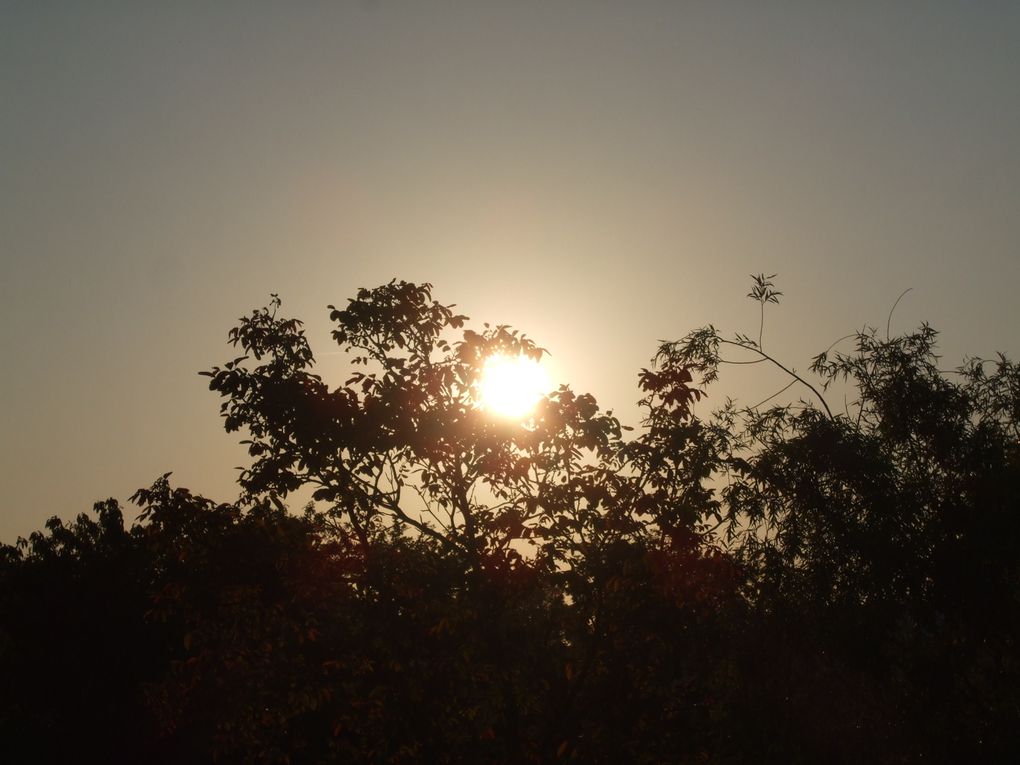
[(887, 535), (769, 583)]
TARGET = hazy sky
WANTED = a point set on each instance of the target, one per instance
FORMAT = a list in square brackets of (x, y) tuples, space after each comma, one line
[(600, 174)]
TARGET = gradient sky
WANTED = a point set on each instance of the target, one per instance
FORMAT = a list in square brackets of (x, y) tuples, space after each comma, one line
[(601, 175)]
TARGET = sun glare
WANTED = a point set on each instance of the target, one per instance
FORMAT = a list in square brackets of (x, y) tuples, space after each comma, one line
[(511, 386)]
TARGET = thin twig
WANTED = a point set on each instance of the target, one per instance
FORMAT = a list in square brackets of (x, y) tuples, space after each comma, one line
[(888, 320), (782, 390), (788, 371)]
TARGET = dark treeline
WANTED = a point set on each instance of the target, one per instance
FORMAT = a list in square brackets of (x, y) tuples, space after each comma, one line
[(789, 582)]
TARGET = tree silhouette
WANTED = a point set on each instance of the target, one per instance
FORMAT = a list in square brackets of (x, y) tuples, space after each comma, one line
[(777, 583), (881, 543)]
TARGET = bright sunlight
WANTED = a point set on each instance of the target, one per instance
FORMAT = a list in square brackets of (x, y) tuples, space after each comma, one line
[(511, 386)]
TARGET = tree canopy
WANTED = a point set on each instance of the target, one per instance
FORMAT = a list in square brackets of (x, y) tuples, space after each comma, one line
[(784, 582)]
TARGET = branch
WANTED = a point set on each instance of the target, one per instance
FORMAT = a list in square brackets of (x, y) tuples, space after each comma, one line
[(788, 371)]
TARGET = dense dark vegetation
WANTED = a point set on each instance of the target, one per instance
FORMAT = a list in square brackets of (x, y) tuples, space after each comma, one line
[(782, 583)]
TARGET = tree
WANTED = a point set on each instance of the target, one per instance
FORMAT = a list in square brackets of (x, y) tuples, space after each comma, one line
[(882, 543), (783, 583), (551, 503)]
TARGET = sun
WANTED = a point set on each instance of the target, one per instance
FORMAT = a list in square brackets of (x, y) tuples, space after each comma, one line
[(512, 385)]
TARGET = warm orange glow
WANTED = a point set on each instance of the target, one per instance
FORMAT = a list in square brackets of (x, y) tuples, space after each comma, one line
[(511, 386)]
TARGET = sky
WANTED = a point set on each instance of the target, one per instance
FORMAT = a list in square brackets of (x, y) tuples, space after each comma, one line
[(601, 175)]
